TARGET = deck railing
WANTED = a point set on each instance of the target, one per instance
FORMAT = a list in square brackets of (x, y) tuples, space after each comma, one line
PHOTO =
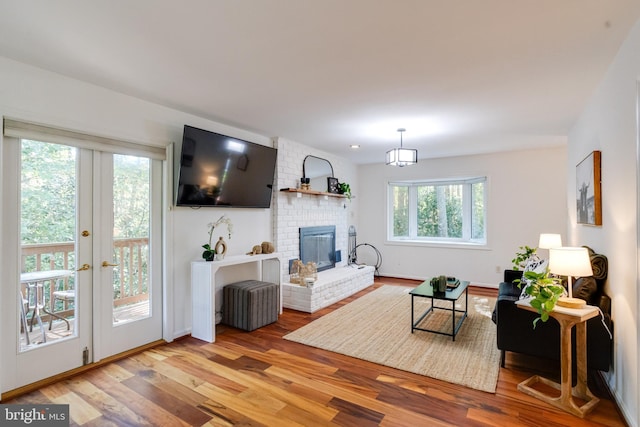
[(130, 277)]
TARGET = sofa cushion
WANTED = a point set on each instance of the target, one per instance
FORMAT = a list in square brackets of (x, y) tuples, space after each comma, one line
[(537, 266), (585, 288)]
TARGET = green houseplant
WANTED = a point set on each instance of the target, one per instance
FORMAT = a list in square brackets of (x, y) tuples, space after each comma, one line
[(209, 252), (345, 189), (543, 290)]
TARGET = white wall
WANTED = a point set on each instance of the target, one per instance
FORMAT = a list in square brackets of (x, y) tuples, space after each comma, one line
[(32, 94), (608, 124), (526, 197)]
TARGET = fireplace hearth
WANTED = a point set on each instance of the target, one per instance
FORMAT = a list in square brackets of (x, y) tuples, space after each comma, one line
[(318, 244)]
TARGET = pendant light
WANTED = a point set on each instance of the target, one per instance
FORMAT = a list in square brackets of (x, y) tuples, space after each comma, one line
[(402, 156)]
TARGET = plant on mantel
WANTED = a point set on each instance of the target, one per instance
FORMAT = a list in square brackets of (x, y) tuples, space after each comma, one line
[(345, 189)]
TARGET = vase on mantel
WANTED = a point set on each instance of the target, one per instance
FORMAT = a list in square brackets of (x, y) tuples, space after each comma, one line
[(220, 248)]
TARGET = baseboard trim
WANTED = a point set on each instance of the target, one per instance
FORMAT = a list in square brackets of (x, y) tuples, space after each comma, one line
[(11, 394), (615, 398)]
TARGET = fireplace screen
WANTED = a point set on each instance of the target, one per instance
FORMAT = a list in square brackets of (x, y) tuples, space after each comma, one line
[(318, 244)]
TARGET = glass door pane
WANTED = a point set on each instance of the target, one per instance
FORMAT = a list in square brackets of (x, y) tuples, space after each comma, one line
[(131, 202), (47, 298)]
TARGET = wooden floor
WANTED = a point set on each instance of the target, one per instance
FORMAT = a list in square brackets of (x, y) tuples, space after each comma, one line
[(258, 378)]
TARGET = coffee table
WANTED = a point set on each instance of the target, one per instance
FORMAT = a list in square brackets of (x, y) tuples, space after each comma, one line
[(425, 290)]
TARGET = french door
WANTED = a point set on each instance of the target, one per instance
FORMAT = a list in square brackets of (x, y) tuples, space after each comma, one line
[(86, 274)]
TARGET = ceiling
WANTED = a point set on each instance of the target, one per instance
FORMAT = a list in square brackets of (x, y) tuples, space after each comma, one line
[(463, 77)]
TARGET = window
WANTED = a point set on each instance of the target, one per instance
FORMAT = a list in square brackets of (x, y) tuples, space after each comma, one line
[(438, 211)]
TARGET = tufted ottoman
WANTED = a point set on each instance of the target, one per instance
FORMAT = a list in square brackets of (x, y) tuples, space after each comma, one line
[(250, 304)]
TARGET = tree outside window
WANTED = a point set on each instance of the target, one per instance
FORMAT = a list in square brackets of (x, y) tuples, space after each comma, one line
[(438, 211)]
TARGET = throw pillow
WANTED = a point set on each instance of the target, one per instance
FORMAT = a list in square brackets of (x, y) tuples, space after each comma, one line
[(585, 288), (537, 266)]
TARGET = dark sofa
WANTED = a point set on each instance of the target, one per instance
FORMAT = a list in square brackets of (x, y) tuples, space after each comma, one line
[(515, 330)]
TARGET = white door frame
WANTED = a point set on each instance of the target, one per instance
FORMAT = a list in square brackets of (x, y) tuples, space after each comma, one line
[(13, 363)]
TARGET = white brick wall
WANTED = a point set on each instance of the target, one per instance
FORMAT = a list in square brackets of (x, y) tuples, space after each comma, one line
[(332, 286), (292, 212)]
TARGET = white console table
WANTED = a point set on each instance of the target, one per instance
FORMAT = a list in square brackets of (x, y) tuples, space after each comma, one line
[(204, 288)]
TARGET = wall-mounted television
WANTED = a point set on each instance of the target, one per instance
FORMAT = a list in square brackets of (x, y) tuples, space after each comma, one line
[(222, 171)]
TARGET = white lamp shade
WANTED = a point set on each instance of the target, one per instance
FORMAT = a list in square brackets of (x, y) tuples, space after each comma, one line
[(570, 261), (402, 157), (548, 241)]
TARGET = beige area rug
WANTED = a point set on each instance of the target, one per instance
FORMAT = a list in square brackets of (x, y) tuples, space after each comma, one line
[(377, 328)]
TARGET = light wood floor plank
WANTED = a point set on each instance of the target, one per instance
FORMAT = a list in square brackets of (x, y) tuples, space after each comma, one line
[(260, 379)]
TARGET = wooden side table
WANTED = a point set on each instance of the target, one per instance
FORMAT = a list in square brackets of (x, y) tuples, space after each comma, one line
[(567, 318)]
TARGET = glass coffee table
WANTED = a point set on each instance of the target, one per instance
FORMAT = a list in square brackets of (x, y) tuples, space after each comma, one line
[(451, 294)]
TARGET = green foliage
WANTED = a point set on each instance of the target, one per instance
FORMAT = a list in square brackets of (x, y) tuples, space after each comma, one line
[(345, 189), (401, 211), (522, 256), (209, 253), (439, 210), (48, 194), (477, 211), (544, 291), (48, 191), (131, 182), (48, 209)]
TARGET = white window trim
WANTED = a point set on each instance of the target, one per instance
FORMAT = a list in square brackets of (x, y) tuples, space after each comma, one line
[(437, 241)]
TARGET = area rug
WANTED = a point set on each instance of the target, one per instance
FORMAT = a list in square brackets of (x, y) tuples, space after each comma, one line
[(377, 327)]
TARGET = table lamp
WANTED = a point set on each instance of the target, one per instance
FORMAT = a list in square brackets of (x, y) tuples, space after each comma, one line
[(548, 241), (570, 261)]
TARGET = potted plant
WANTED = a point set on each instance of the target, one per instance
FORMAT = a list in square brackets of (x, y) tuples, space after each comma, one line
[(344, 188), (544, 292), (209, 252)]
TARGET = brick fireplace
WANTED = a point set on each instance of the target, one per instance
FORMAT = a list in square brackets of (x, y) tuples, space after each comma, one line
[(293, 211), (318, 245)]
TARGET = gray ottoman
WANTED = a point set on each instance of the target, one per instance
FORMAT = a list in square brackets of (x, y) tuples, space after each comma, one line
[(250, 304)]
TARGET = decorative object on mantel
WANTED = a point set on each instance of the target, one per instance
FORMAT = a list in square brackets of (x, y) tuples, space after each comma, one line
[(210, 252), (301, 273), (588, 190), (305, 183), (300, 191), (316, 170), (268, 248), (264, 248), (402, 156), (332, 185), (344, 188), (220, 248)]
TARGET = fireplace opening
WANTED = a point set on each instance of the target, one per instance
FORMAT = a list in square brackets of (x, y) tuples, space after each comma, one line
[(318, 244)]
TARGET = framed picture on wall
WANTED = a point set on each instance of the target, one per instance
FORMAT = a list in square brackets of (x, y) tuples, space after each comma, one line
[(588, 190)]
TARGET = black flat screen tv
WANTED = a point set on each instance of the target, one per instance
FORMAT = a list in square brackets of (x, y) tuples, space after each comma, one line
[(221, 171)]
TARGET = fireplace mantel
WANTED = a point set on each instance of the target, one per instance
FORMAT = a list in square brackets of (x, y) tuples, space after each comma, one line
[(299, 192)]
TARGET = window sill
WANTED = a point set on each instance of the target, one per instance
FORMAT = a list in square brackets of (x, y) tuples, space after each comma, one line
[(437, 244)]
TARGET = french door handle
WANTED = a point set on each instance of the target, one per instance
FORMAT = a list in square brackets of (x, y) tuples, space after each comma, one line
[(84, 267), (108, 264)]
